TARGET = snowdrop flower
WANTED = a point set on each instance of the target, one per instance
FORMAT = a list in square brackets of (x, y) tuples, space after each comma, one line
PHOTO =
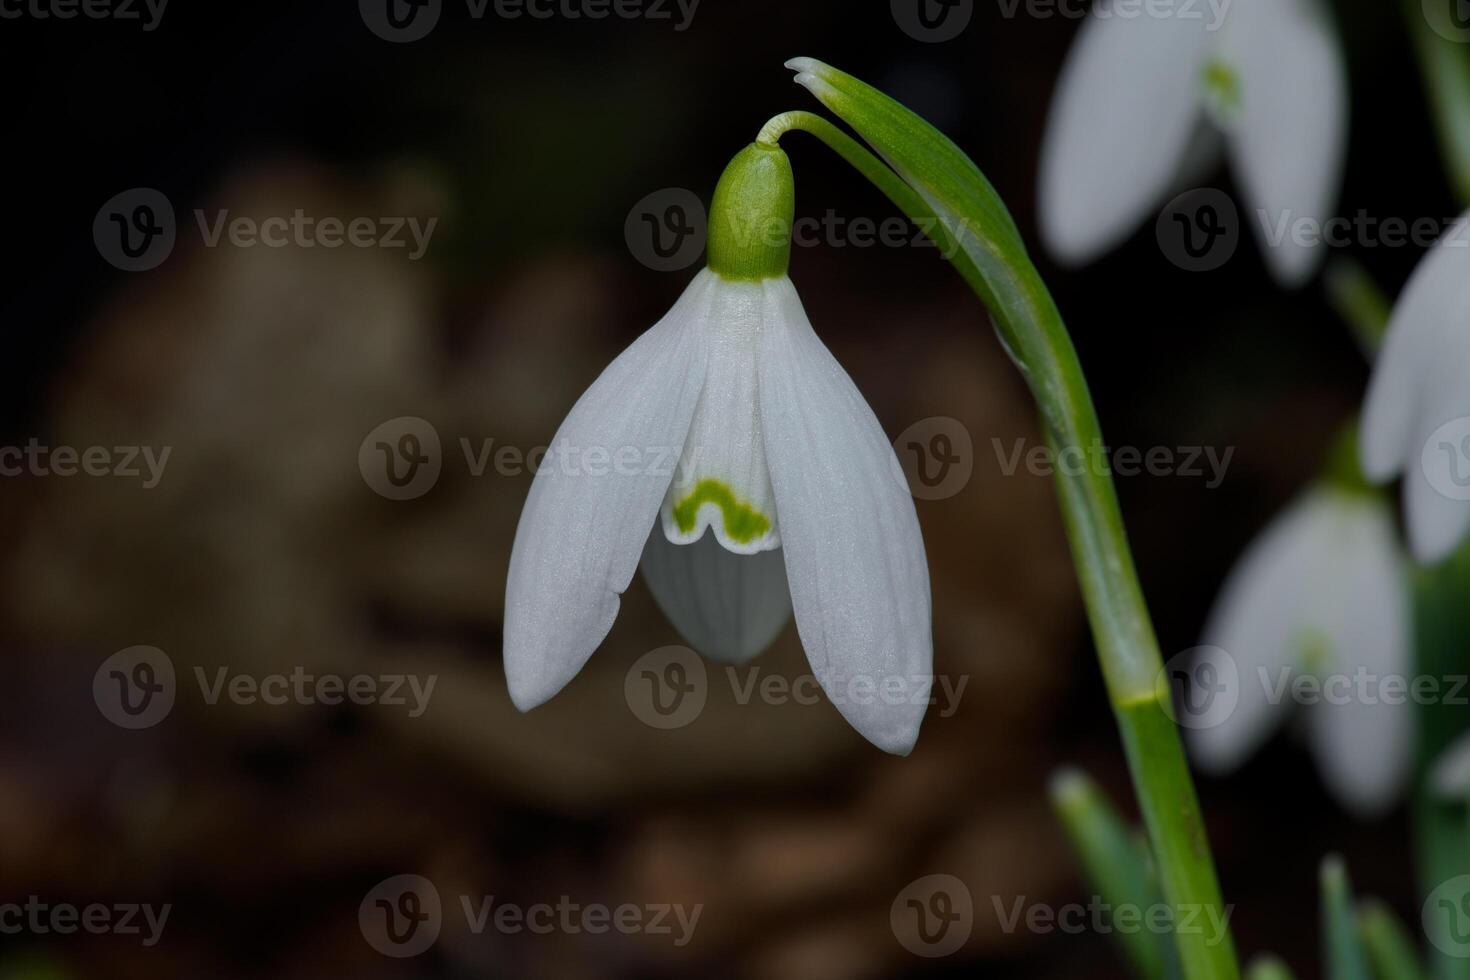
[(1145, 97), (1322, 594), (1416, 420), (786, 494), (1449, 776)]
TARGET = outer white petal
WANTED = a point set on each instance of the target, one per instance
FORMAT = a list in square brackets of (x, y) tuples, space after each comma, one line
[(1121, 123), (1434, 306), (854, 554), (588, 514), (1363, 741), (729, 607), (1449, 777), (1437, 513), (1260, 620), (1289, 139), (722, 481)]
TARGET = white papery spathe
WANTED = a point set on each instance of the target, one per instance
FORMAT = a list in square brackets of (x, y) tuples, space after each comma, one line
[(1416, 420), (1322, 592), (734, 381), (1145, 96)]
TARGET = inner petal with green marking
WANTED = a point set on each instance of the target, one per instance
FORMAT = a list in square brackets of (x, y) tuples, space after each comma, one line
[(722, 486)]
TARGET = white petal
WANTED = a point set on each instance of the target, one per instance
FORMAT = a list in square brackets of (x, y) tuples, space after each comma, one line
[(1434, 305), (854, 554), (1363, 730), (1437, 511), (729, 607), (1121, 123), (722, 481), (1259, 620), (1289, 138), (1449, 777), (594, 498)]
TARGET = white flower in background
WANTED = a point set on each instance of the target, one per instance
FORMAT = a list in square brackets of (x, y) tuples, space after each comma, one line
[(1416, 420), (1449, 776), (763, 475), (1322, 593), (1144, 99)]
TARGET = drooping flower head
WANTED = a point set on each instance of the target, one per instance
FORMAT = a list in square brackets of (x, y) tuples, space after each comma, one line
[(786, 496), (1145, 98)]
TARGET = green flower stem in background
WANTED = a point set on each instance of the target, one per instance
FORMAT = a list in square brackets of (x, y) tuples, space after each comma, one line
[(1445, 65), (1359, 302), (1390, 950), (1117, 864), (1342, 950), (942, 190), (1441, 623)]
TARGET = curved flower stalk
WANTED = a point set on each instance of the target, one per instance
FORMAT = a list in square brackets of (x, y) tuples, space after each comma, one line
[(1144, 100), (1416, 420), (936, 184), (1322, 593), (787, 494)]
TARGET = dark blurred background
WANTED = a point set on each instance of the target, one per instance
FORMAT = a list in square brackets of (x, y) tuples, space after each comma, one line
[(263, 549)]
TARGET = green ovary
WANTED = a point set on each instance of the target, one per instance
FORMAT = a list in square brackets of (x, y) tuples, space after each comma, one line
[(743, 523), (1222, 88)]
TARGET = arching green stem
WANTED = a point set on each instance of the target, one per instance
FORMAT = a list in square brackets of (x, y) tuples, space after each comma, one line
[(940, 189)]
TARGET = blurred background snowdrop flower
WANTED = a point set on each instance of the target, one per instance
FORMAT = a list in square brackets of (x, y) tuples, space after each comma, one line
[(1143, 102), (786, 493), (1449, 776), (1417, 415), (1322, 593)]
